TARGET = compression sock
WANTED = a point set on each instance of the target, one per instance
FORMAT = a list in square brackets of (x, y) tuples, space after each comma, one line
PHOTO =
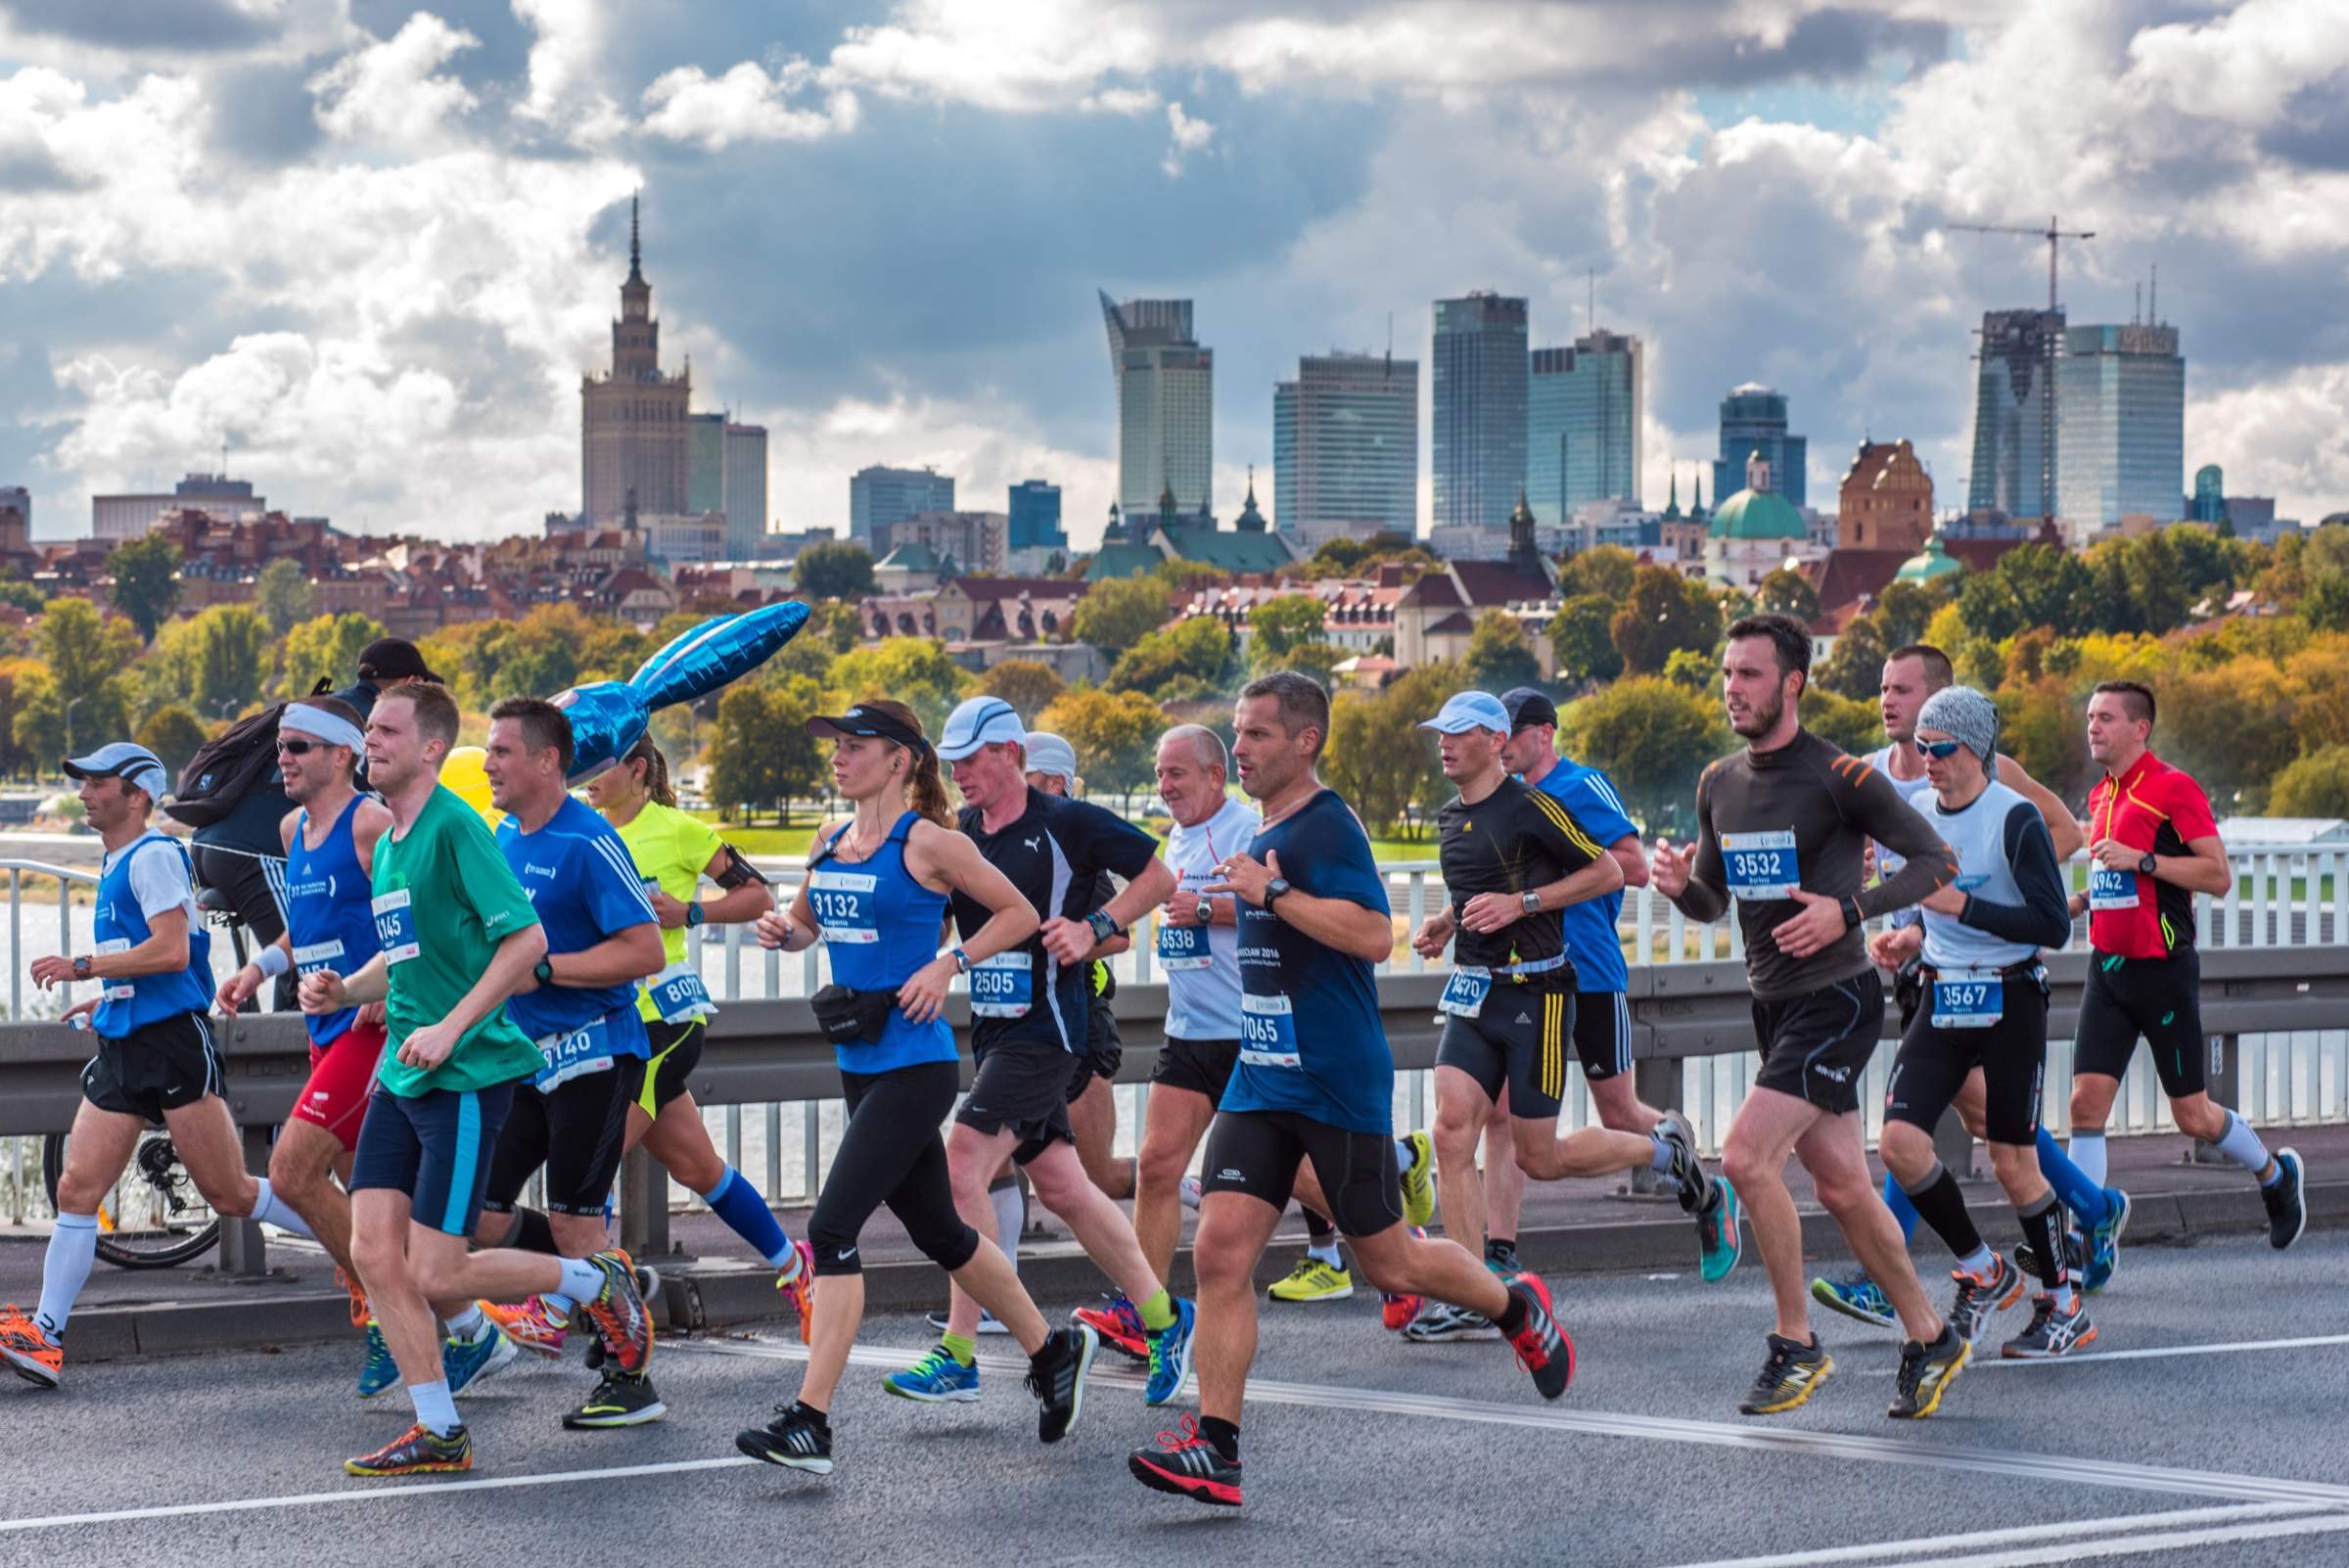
[(271, 1210), (1943, 1207), (2241, 1146), (739, 1204), (1011, 1218), (470, 1325), (1223, 1436), (963, 1348), (2084, 1197), (1902, 1209), (1158, 1311), (64, 1270), (435, 1407), (533, 1233), (581, 1280), (2088, 1153), (2043, 1227)]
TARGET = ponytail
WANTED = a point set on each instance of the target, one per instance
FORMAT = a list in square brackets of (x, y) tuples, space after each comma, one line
[(656, 782), (925, 786)]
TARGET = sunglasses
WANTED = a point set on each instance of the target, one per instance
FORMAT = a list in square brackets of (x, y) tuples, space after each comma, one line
[(299, 748), (1939, 751)]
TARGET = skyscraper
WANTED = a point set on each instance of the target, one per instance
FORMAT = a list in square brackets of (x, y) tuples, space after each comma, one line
[(1583, 410), (881, 497), (705, 463), (1478, 409), (1753, 418), (2209, 503), (633, 418), (2121, 423), (1346, 443), (1036, 517), (745, 493), (2015, 443), (1166, 386)]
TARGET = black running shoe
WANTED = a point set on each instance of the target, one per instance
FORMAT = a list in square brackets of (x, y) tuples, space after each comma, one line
[(1790, 1375), (1977, 1299), (1926, 1373), (618, 1401), (796, 1439), (2052, 1331), (1056, 1377), (1187, 1465), (2287, 1210)]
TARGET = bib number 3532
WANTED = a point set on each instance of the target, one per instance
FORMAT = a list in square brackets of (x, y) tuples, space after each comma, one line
[(1761, 867)]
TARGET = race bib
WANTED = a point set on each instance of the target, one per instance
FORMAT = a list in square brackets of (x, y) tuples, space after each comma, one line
[(1183, 946), (394, 926), (1268, 1032), (319, 956), (678, 994), (116, 990), (1466, 991), (843, 901), (582, 1050), (1761, 865), (2109, 889), (1967, 998), (1003, 987)]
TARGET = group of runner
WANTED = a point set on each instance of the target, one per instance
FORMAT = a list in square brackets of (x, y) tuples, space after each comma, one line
[(485, 1007)]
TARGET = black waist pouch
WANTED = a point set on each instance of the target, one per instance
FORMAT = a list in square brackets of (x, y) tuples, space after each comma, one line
[(847, 1016)]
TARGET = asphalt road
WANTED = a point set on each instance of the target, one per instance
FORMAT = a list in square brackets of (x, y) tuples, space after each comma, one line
[(2201, 1427)]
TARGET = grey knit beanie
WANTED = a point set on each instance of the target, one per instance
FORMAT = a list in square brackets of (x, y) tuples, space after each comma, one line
[(1967, 717)]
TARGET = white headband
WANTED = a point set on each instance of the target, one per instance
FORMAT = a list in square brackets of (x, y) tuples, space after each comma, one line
[(332, 728)]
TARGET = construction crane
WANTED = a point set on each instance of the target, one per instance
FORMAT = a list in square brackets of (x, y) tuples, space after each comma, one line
[(2052, 234)]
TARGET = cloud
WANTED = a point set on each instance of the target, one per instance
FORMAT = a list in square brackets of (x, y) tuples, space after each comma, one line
[(392, 92), (746, 104), (198, 25), (1185, 136), (565, 93)]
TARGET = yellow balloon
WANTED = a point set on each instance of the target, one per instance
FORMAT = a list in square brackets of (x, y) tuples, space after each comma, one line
[(462, 772)]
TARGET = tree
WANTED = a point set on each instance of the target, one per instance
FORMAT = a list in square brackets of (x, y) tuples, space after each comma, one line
[(2040, 726), (81, 695), (1355, 558), (760, 753), (1027, 685), (2316, 784), (2231, 728), (230, 645), (1665, 611), (1854, 668), (284, 596), (1114, 735), (1116, 615), (174, 734), (146, 582), (324, 648), (1845, 721), (1653, 737), (2158, 589), (1697, 671), (1581, 639), (1197, 648), (833, 572), (1379, 759), (1277, 625), (1499, 654), (914, 670), (1905, 609), (1787, 592), (1606, 570), (1320, 659), (2032, 585)]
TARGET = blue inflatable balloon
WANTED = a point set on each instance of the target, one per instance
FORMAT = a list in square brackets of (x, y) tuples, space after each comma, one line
[(608, 717)]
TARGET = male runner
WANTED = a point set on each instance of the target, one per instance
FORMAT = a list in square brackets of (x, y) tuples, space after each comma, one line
[(2152, 846), (1316, 1081), (1029, 1028), (1781, 827), (1514, 857), (156, 1059), (459, 936), (602, 938), (1983, 1023)]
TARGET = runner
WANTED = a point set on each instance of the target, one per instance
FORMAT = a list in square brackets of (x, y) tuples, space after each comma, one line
[(1514, 857), (1314, 1082), (155, 1059), (876, 892), (1781, 828), (329, 840), (1984, 1024), (1029, 1011), (671, 852), (2152, 846), (602, 938), (458, 938)]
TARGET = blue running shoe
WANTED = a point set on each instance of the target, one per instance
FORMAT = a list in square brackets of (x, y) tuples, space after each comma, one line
[(1171, 1355), (468, 1362), (1855, 1296), (381, 1372), (1719, 1242), (938, 1378), (2104, 1246)]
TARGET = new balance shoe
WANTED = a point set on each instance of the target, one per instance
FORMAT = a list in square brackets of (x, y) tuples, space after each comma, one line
[(1120, 1326), (2052, 1331), (618, 1400), (938, 1378), (1855, 1296), (2101, 1248), (2287, 1208), (619, 1311), (1312, 1281), (797, 1439), (531, 1325), (1171, 1355), (381, 1372), (1926, 1373), (30, 1354), (418, 1450), (1719, 1241), (1419, 1181), (469, 1362), (1440, 1321), (1187, 1465), (1542, 1348), (1790, 1375), (797, 1287), (1977, 1297), (1056, 1377)]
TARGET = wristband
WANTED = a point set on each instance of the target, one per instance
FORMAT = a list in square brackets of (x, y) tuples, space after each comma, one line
[(273, 961), (1104, 925), (962, 961)]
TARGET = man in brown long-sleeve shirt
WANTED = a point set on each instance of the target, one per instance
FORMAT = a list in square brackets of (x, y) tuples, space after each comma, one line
[(1782, 829)]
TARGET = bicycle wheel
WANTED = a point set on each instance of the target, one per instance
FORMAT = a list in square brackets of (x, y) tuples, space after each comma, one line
[(153, 1218)]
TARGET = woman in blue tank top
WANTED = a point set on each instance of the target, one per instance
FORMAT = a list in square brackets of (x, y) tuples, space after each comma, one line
[(876, 894)]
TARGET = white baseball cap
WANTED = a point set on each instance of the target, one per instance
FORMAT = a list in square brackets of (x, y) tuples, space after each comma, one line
[(1048, 753), (1470, 710), (980, 721)]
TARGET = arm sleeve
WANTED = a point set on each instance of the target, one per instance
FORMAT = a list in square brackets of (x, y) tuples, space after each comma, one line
[(159, 879), (1869, 803), (1560, 832), (474, 866), (1333, 861), (1707, 895), (2043, 918), (613, 890), (1109, 841)]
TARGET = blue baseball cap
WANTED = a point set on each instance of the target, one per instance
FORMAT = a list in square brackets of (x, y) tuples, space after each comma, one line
[(980, 721), (133, 764), (1470, 710)]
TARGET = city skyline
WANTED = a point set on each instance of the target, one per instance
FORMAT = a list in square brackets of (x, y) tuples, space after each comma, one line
[(371, 246)]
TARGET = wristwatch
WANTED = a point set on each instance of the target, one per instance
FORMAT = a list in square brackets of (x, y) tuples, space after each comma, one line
[(2144, 864), (543, 972), (1207, 913), (1273, 889), (1531, 903), (962, 961), (695, 914), (81, 966), (1853, 920), (1103, 925)]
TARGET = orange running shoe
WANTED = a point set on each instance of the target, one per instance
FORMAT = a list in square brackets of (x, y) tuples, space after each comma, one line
[(529, 1325), (360, 1313), (798, 1287), (29, 1352), (417, 1451), (619, 1313)]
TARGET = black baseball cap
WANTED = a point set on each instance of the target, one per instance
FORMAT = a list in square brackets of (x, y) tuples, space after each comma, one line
[(393, 659), (869, 723), (1527, 705)]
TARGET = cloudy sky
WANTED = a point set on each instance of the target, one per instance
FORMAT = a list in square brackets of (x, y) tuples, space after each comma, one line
[(372, 246)]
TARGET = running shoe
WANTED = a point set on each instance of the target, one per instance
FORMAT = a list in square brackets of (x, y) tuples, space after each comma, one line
[(381, 1372), (418, 1450), (1977, 1297), (1500, 1255), (1854, 1295), (1171, 1355), (1719, 1241), (2287, 1208), (1312, 1280), (530, 1324), (1189, 1192), (796, 1439), (618, 1401), (1419, 1181), (1790, 1375), (1120, 1326), (30, 1354), (1441, 1320), (2053, 1330), (1398, 1312), (467, 1361), (797, 1287), (1926, 1373), (1187, 1465), (938, 1378), (360, 1313), (2075, 1257), (620, 1314), (1056, 1377), (1541, 1346), (2101, 1247), (941, 1323), (1686, 1170)]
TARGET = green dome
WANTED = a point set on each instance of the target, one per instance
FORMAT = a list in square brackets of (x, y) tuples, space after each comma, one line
[(1758, 514), (1930, 563)]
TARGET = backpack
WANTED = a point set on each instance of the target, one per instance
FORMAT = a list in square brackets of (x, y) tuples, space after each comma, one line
[(228, 767)]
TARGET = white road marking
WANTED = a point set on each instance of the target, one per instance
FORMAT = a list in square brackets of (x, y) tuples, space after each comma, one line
[(2035, 1534), (1986, 1357), (2132, 1545)]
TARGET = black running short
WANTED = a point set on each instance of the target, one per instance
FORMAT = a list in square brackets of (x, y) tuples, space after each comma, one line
[(161, 1066), (1815, 1046), (1022, 1085), (2158, 998), (1257, 1152), (1104, 1050), (1518, 1037), (1201, 1066), (676, 1052), (1602, 1034), (577, 1129), (2012, 1053)]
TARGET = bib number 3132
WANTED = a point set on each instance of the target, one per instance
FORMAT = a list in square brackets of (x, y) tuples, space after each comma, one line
[(1761, 865)]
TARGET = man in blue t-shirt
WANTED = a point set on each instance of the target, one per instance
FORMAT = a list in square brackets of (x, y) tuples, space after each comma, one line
[(602, 938), (1313, 926)]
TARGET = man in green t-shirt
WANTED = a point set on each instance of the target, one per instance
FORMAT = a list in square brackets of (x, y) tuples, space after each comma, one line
[(459, 938)]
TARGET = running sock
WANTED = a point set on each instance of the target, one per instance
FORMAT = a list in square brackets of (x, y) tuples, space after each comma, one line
[(1405, 1156), (1980, 1263), (468, 1324), (1011, 1218), (2043, 1227), (2088, 1153), (73, 1251), (1158, 1311), (1221, 1436), (1513, 1318), (963, 1348), (435, 1407), (1943, 1207), (271, 1210), (1325, 1253), (1500, 1249), (581, 1280), (557, 1305), (819, 1420), (1321, 1239), (1902, 1209), (744, 1212), (2081, 1194), (2241, 1146)]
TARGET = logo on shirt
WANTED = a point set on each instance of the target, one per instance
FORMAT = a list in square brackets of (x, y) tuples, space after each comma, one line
[(529, 870), (1033, 844)]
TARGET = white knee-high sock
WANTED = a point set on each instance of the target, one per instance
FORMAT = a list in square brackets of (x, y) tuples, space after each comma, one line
[(72, 1250), (2088, 1153), (2243, 1145), (271, 1210), (1011, 1216)]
